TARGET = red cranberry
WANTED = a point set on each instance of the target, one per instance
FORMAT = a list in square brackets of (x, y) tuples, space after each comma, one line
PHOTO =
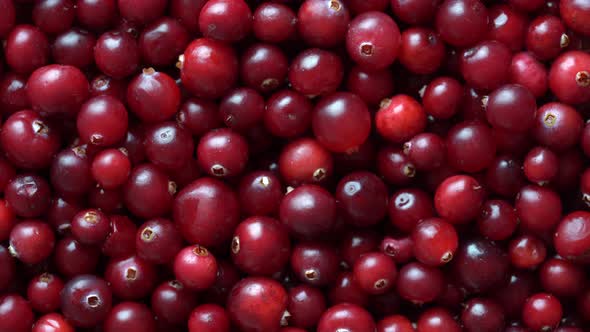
[(148, 192), (401, 250), (498, 220), (264, 67), (168, 146), (408, 206), (52, 322), (356, 243), (507, 26), (419, 283), (546, 37), (105, 85), (158, 241), (561, 277), (96, 14), (74, 47), (315, 263), (322, 23), (102, 121), (527, 251), (70, 172), (370, 85), (541, 165), (111, 168), (481, 314), (43, 292), (198, 116), (400, 118), (242, 109), (8, 17), (316, 72), (287, 114), (463, 154), (31, 241), (426, 151), (90, 226), (511, 107), (209, 318), (274, 22), (7, 220), (187, 13), (362, 198), (26, 49), (13, 94), (258, 304), (530, 73), (120, 241), (539, 208), (572, 236), (260, 246), (260, 193), (480, 265), (462, 22), (492, 56), (575, 14), (195, 267), (459, 198), (557, 126), (73, 258), (86, 301), (421, 51), (375, 273), (308, 211), (435, 241), (415, 12), (346, 316), (15, 313), (346, 290), (130, 316), (117, 54), (130, 278), (371, 47), (28, 140), (437, 319), (305, 161), (395, 323), (542, 312), (352, 115), (209, 68), (442, 97), (153, 96), (225, 20), (162, 41), (569, 77), (172, 303), (53, 16)]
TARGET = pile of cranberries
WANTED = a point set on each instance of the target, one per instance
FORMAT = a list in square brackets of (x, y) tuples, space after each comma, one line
[(295, 165)]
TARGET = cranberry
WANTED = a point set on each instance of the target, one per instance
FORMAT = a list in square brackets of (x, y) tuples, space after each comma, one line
[(572, 238), (13, 94), (315, 263), (569, 77), (346, 290), (539, 208), (52, 322), (153, 96), (15, 313), (264, 67), (31, 241), (306, 304), (225, 20), (546, 37), (437, 319), (198, 116), (322, 23), (28, 140), (90, 226), (498, 220), (346, 316), (352, 115), (494, 56), (308, 211), (511, 107), (466, 156), (274, 22), (111, 168), (74, 47), (305, 161), (43, 292), (370, 85), (187, 13), (158, 241), (541, 165), (459, 198), (362, 198), (542, 312), (130, 278), (481, 314), (7, 220), (116, 54), (435, 241), (172, 303), (53, 16), (530, 73), (26, 49), (258, 304), (480, 265), (168, 146), (561, 277), (8, 18), (356, 243), (260, 193), (260, 246), (73, 258), (507, 26), (408, 206), (195, 267), (421, 51), (395, 323), (86, 301), (462, 22), (371, 47), (426, 151), (401, 250), (375, 273), (557, 126), (209, 318), (130, 316), (526, 251), (316, 72), (119, 242), (400, 118), (148, 192), (575, 14), (442, 97), (162, 41)]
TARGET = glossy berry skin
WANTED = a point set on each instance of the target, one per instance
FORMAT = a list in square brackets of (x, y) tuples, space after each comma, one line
[(352, 116), (260, 193), (408, 206), (96, 15), (69, 251), (153, 96), (28, 194), (28, 140), (400, 118), (371, 86), (57, 90), (572, 238), (419, 283), (479, 265), (542, 311), (15, 313), (222, 153), (362, 198), (119, 242), (308, 211), (557, 126), (322, 23), (569, 77), (427, 151), (287, 114), (242, 109), (530, 73), (168, 146), (86, 301), (198, 116), (437, 319), (546, 37), (511, 107), (305, 161), (195, 267), (562, 277), (461, 23), (481, 314), (43, 292), (435, 241), (102, 121), (315, 263), (141, 12), (130, 316), (541, 165), (346, 316), (316, 72), (117, 54), (421, 51), (507, 26), (209, 318), (172, 303), (260, 246), (162, 41), (8, 18), (90, 226), (395, 323), (209, 69), (225, 20), (52, 322), (470, 146), (497, 220), (486, 65), (148, 192), (458, 199), (206, 212), (26, 49), (158, 241), (274, 22), (442, 97), (575, 15), (111, 168), (31, 241), (526, 251), (538, 208), (257, 304), (375, 273), (306, 305), (373, 40), (130, 278)]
